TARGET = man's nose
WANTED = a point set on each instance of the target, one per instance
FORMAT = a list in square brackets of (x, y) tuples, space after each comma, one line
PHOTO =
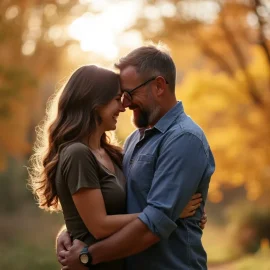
[(126, 102)]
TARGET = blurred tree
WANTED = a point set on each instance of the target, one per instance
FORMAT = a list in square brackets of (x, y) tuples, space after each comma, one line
[(32, 37), (223, 47)]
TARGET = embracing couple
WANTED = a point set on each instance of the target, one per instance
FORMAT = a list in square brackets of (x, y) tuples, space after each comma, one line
[(137, 208)]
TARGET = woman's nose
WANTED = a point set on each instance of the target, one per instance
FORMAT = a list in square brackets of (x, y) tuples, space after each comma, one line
[(122, 108)]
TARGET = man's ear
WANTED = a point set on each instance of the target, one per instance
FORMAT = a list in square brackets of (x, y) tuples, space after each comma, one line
[(160, 86)]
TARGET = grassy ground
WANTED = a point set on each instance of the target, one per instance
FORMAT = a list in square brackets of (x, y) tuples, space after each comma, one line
[(27, 243), (218, 244), (224, 255), (260, 261)]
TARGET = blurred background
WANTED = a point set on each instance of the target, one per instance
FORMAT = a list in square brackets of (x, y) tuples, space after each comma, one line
[(222, 52)]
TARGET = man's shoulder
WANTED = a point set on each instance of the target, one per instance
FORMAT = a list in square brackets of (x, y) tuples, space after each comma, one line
[(185, 128), (186, 125)]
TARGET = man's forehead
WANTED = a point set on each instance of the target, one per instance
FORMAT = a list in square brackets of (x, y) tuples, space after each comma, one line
[(128, 73)]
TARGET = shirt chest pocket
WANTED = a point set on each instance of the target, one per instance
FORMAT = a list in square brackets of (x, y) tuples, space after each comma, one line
[(142, 172)]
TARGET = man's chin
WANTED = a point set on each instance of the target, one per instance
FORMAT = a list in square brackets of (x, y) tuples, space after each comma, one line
[(139, 118), (139, 123)]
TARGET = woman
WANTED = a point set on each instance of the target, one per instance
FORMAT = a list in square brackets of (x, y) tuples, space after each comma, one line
[(75, 165)]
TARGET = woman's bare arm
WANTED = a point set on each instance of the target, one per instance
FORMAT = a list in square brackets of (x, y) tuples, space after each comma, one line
[(91, 207)]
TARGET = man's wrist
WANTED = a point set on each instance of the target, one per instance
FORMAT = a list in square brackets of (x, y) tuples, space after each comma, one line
[(85, 257), (91, 250)]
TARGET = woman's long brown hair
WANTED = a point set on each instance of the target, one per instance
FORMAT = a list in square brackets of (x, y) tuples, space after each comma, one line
[(71, 116)]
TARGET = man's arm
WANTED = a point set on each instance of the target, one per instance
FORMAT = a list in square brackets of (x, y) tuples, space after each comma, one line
[(180, 167), (63, 238), (133, 238), (179, 171)]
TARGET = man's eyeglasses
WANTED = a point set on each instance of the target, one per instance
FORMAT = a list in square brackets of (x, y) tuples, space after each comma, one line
[(128, 93)]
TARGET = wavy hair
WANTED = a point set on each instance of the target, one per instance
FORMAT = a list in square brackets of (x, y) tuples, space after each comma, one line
[(71, 116)]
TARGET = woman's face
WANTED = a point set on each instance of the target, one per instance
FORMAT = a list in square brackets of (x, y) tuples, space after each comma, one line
[(110, 112)]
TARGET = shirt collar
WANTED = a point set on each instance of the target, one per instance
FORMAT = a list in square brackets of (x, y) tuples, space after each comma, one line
[(164, 123)]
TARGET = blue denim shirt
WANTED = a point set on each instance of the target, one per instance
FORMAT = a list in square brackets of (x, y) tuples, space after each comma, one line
[(165, 166)]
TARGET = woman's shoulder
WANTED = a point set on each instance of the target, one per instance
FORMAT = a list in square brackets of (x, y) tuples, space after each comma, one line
[(76, 150)]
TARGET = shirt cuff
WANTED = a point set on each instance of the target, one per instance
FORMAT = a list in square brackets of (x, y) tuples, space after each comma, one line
[(157, 222)]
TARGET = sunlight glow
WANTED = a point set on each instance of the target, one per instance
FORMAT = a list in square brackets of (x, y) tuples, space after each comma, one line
[(29, 47), (205, 11), (100, 33), (12, 12)]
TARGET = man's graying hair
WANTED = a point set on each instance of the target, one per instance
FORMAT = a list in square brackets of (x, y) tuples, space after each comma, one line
[(150, 61)]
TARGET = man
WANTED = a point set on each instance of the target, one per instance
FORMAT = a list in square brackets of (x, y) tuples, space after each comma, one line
[(167, 159)]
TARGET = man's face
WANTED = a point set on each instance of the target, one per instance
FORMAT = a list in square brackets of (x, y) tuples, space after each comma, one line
[(142, 103)]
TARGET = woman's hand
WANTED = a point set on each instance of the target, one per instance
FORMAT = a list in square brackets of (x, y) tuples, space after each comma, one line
[(192, 205), (203, 220)]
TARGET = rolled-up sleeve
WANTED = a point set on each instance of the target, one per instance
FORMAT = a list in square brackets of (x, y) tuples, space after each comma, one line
[(179, 171), (157, 222)]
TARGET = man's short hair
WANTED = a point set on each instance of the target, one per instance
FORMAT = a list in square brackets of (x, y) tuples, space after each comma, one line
[(151, 60)]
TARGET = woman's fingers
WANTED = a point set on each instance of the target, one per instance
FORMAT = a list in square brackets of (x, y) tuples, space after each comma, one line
[(196, 196), (192, 205), (190, 214), (204, 219), (195, 202), (196, 206)]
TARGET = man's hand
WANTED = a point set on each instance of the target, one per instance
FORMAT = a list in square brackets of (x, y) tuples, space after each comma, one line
[(70, 258), (63, 243), (192, 205)]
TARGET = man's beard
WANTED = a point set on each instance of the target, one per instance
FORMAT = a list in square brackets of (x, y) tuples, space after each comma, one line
[(146, 117)]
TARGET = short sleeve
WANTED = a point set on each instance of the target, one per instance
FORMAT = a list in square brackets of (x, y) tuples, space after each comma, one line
[(79, 167)]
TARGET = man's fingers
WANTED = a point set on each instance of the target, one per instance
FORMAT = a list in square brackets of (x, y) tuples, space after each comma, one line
[(196, 196), (60, 259), (63, 261), (63, 253), (67, 245)]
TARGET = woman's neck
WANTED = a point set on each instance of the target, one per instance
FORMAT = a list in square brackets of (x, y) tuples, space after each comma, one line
[(94, 139)]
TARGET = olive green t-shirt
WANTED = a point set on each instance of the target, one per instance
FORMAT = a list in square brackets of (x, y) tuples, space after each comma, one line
[(78, 168)]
